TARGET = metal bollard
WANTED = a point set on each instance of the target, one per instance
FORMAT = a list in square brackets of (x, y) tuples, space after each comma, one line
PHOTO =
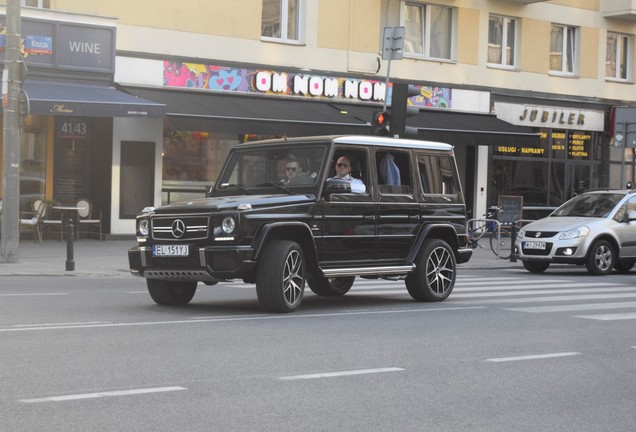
[(513, 238), (70, 264)]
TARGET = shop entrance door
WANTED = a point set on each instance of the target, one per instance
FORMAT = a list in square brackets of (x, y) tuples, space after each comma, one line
[(578, 179)]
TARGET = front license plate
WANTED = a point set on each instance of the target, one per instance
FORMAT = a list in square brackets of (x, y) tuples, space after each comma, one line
[(534, 245), (170, 250)]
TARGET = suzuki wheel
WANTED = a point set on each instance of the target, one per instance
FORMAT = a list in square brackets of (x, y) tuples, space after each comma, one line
[(280, 276), (171, 293), (434, 276), (600, 258)]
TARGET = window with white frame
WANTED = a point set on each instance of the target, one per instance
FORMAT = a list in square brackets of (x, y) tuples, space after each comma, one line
[(562, 49), (502, 39), (617, 57), (429, 30), (42, 4), (281, 20)]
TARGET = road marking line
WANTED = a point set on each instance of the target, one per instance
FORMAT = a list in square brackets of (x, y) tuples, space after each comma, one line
[(578, 307), (545, 299), (609, 317), (32, 294), (532, 357), (238, 318), (61, 324), (102, 394), (543, 291), (534, 287), (516, 282), (340, 374)]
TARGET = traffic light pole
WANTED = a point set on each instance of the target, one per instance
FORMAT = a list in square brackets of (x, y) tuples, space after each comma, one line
[(9, 242)]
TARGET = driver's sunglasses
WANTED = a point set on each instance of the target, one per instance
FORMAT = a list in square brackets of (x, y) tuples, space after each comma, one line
[(342, 165), (291, 169)]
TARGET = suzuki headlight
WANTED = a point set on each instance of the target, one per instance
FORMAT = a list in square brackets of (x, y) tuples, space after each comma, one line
[(522, 233), (575, 233), (228, 225)]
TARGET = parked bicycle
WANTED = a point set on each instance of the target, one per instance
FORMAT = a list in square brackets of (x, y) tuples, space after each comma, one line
[(500, 239)]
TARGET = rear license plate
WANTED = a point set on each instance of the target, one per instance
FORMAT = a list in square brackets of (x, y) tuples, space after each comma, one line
[(534, 245), (170, 250)]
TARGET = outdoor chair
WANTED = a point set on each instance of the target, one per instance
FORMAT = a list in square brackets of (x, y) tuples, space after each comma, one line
[(31, 221), (52, 221), (88, 218)]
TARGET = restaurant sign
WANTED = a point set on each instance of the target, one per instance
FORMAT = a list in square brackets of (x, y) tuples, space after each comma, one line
[(550, 117)]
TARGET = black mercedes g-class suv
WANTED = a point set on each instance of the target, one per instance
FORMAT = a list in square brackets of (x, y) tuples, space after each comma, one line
[(279, 217)]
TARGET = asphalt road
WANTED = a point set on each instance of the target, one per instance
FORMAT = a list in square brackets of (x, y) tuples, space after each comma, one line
[(507, 351)]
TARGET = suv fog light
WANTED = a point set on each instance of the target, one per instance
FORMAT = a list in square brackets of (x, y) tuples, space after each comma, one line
[(566, 251)]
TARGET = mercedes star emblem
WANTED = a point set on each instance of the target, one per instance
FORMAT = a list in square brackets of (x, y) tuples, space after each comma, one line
[(178, 228)]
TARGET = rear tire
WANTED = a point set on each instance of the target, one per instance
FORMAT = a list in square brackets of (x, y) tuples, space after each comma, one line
[(600, 258), (536, 267), (624, 267), (280, 276), (434, 276), (171, 293), (331, 287)]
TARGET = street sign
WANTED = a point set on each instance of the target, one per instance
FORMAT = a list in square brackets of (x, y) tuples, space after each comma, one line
[(393, 43)]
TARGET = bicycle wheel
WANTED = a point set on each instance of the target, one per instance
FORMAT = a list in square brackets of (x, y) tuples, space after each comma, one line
[(504, 244), (476, 232)]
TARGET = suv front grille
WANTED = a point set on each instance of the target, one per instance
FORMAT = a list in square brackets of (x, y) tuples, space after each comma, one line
[(180, 228)]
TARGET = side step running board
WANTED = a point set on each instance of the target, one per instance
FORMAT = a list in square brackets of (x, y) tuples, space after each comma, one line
[(365, 271)]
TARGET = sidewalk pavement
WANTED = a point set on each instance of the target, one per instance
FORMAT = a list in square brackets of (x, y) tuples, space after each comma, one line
[(110, 258)]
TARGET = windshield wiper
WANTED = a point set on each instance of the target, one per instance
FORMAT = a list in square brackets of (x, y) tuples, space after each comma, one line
[(235, 186)]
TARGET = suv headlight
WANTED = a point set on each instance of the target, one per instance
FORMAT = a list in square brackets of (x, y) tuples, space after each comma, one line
[(522, 233), (575, 233), (228, 225), (143, 227)]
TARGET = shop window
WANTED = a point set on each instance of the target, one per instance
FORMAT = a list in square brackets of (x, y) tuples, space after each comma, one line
[(429, 30), (502, 40), (281, 20), (617, 57), (562, 49), (32, 162)]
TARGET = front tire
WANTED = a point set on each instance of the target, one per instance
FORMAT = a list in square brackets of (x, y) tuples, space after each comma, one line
[(171, 293), (331, 287), (600, 258), (280, 276), (536, 267), (434, 276)]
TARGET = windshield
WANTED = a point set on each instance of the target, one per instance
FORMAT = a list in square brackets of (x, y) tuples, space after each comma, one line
[(590, 205), (282, 169)]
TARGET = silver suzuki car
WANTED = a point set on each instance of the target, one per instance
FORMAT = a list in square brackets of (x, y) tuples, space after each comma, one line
[(596, 228)]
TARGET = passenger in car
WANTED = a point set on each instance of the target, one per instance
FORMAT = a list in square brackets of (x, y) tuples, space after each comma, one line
[(292, 170), (343, 171)]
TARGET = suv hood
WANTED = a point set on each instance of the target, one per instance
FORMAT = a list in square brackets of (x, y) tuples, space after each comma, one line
[(560, 223), (232, 202)]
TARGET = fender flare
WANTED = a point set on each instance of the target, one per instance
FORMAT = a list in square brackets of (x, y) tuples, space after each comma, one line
[(267, 231), (423, 234)]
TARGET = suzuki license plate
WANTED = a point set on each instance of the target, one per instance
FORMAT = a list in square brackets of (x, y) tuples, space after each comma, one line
[(534, 245), (170, 250)]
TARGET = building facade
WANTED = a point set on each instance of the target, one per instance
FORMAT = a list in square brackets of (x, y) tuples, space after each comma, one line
[(525, 90)]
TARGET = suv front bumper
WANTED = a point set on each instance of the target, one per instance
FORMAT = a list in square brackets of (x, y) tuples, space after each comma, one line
[(204, 264)]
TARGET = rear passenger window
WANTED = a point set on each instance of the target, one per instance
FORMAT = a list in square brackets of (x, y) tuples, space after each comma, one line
[(394, 173), (439, 179)]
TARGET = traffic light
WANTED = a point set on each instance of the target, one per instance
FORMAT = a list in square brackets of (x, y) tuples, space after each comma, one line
[(380, 123), (400, 110)]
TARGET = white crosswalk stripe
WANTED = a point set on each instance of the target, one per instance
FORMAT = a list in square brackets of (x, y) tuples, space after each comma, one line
[(565, 295)]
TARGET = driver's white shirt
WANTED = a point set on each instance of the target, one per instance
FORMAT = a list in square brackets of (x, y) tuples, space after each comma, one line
[(357, 185)]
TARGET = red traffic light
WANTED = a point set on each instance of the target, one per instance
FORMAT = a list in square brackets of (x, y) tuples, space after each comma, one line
[(381, 118)]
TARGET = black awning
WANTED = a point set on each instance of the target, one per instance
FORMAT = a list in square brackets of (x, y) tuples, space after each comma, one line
[(210, 111), (455, 127), (94, 100)]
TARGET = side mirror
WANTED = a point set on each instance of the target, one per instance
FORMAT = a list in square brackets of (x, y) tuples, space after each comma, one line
[(208, 193), (337, 186)]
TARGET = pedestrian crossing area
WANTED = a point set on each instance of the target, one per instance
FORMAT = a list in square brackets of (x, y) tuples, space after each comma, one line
[(594, 298)]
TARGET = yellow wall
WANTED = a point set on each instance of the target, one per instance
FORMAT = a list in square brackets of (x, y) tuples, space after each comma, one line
[(589, 54), (535, 46), (594, 5), (467, 36), (334, 24), (197, 16)]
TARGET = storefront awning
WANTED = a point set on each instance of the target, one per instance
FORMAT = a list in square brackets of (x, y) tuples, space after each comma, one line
[(94, 100), (456, 127), (209, 111)]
